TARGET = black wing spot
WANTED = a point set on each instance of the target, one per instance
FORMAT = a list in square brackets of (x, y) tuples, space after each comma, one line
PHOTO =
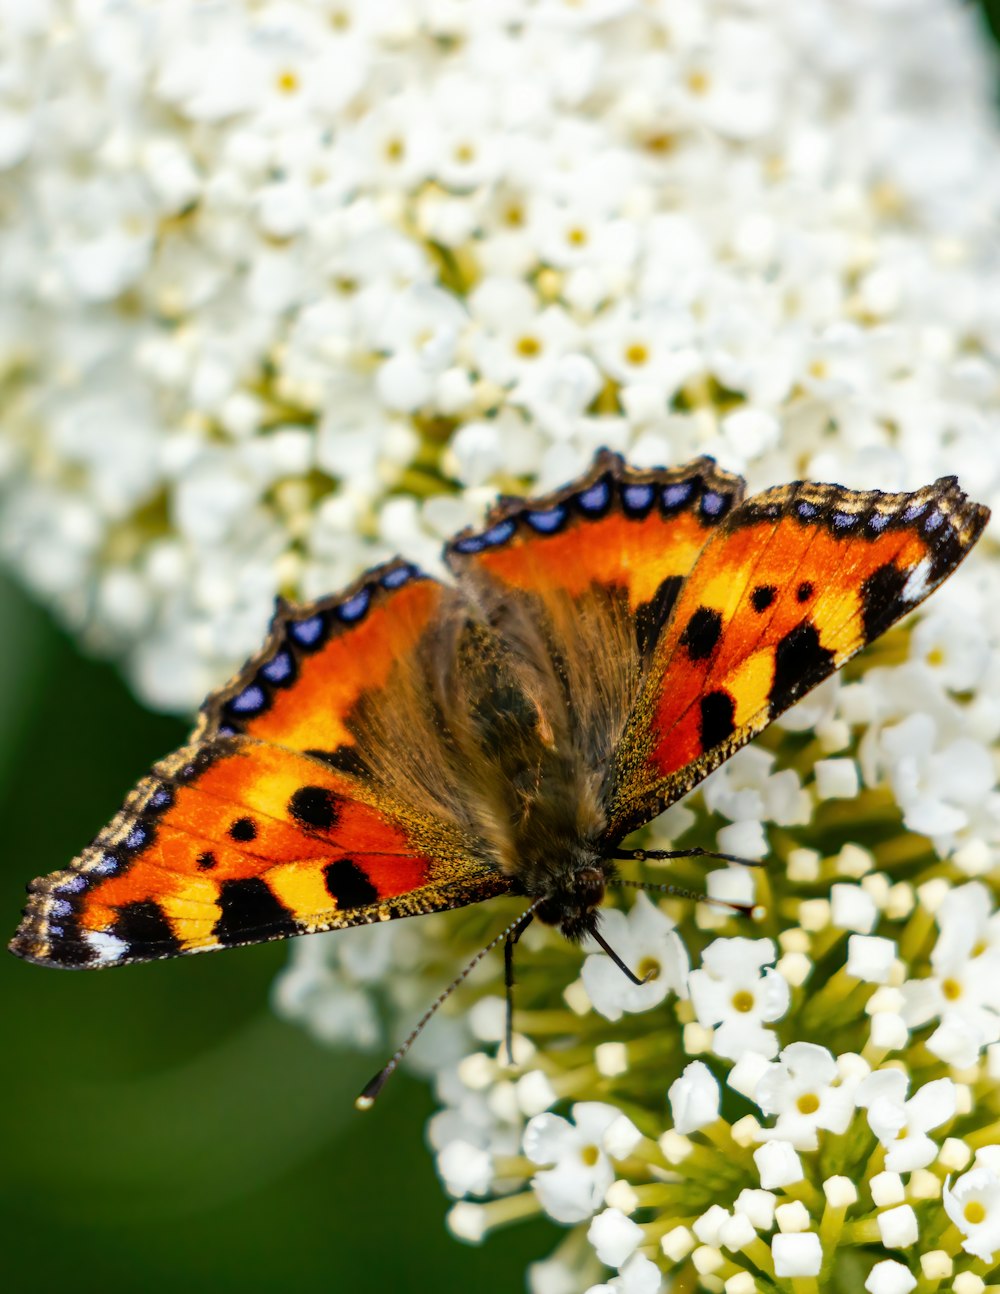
[(249, 910), (718, 718), (243, 829), (144, 924), (348, 884), (345, 759), (800, 662), (651, 616), (702, 633), (762, 597), (805, 591), (314, 806), (206, 861), (881, 603)]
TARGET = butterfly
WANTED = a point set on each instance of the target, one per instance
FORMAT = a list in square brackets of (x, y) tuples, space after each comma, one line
[(411, 745)]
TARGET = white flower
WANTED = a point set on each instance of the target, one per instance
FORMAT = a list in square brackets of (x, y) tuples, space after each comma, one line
[(574, 1187), (902, 1125), (638, 1276), (614, 1237), (465, 1169), (694, 1098), (973, 1204), (647, 943), (964, 991), (804, 1091), (733, 991)]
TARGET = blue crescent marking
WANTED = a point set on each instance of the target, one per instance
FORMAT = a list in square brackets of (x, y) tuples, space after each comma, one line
[(547, 522), (395, 579), (250, 700), (674, 495), (499, 534), (595, 498), (637, 497), (307, 632), (278, 668), (136, 838), (354, 608)]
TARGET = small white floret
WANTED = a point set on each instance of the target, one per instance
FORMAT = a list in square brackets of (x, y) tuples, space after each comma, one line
[(890, 1277), (837, 779), (898, 1227), (778, 1164), (870, 958), (797, 1255)]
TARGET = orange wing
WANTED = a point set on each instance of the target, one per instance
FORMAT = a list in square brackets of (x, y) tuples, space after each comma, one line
[(281, 818), (580, 583), (790, 586)]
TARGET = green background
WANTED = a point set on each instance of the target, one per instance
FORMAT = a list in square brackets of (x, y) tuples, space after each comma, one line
[(160, 1129)]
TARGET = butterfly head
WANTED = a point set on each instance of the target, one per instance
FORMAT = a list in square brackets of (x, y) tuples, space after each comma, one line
[(573, 902)]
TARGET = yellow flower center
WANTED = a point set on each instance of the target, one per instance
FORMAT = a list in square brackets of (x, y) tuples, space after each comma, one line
[(951, 989), (636, 353), (464, 153), (576, 236), (288, 81), (974, 1212), (590, 1155), (808, 1103), (395, 150), (935, 656), (743, 1001), (698, 82), (648, 968), (528, 347)]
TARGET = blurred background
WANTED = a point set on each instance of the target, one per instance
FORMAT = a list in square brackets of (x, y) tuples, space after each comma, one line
[(161, 1128)]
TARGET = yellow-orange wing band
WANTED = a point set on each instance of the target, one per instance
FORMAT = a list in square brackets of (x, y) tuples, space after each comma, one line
[(793, 583)]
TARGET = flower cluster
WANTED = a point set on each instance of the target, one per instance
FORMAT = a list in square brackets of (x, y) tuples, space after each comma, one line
[(292, 285)]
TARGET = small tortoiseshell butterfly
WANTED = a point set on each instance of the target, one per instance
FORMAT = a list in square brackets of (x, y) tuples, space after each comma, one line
[(409, 745)]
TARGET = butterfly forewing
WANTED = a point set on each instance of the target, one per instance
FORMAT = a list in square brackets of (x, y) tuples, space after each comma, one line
[(309, 798), (790, 586)]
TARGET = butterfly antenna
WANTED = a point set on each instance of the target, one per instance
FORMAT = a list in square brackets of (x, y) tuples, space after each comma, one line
[(596, 935), (366, 1098), (656, 855), (752, 910)]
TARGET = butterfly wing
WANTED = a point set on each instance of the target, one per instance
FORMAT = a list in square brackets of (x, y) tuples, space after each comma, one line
[(579, 583), (310, 797), (793, 583)]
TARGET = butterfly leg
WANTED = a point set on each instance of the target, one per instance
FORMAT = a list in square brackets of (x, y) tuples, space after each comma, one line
[(508, 980)]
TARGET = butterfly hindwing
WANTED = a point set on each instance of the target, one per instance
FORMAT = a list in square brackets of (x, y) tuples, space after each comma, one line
[(789, 587), (580, 582)]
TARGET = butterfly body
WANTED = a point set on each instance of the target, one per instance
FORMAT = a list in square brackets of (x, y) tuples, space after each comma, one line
[(410, 745)]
